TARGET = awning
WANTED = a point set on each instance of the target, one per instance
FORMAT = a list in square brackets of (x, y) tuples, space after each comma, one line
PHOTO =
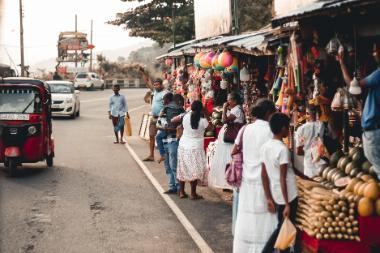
[(218, 41), (320, 8)]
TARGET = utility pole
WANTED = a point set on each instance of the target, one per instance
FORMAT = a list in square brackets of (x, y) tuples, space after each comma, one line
[(92, 28), (236, 18), (173, 25), (76, 30), (22, 40)]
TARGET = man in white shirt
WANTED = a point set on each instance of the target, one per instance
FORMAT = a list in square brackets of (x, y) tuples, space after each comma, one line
[(117, 111)]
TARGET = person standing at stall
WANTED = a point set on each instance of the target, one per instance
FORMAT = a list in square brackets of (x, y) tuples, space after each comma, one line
[(157, 106), (371, 113)]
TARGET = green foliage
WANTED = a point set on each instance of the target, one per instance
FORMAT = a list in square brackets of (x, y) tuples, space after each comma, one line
[(254, 14), (154, 20)]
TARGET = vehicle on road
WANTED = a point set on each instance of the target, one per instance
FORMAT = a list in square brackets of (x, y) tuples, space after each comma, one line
[(6, 71), (65, 99), (89, 81), (25, 123)]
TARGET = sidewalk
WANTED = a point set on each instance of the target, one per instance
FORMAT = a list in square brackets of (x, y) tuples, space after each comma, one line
[(210, 216)]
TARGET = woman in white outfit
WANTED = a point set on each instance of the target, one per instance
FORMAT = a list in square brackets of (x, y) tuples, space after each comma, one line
[(232, 112), (254, 224)]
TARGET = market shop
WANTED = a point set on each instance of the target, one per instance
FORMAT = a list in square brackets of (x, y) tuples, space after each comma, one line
[(339, 211)]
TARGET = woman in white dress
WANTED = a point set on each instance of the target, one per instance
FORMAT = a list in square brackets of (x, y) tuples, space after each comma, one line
[(232, 112), (192, 163), (254, 224)]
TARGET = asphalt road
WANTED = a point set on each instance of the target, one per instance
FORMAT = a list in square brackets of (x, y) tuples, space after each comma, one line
[(95, 198)]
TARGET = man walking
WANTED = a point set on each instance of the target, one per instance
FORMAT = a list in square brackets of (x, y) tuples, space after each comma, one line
[(118, 110), (371, 112), (157, 106)]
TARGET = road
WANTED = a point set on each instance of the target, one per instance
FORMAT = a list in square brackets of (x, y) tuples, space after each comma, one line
[(96, 198)]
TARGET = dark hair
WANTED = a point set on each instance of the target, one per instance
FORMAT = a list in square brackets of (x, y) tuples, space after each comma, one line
[(278, 121), (178, 98), (262, 107), (312, 109), (168, 97), (158, 80), (196, 108), (116, 86), (235, 97)]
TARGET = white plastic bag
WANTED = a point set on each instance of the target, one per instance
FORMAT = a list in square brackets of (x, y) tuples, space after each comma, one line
[(287, 236)]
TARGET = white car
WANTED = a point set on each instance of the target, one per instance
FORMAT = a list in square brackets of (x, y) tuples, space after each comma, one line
[(65, 99), (88, 80)]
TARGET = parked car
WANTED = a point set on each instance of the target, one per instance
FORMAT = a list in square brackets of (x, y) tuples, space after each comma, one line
[(65, 99), (88, 80)]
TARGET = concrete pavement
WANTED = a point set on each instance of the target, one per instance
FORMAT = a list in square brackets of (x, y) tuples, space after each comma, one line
[(96, 198)]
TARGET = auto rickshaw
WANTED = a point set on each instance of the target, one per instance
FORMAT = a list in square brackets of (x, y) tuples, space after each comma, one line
[(25, 123)]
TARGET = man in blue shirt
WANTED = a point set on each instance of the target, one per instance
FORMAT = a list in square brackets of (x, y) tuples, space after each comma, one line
[(371, 113), (117, 111), (157, 106)]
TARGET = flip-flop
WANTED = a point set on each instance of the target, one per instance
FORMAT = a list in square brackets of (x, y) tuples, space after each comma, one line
[(115, 142), (185, 196), (196, 197), (148, 160), (123, 142)]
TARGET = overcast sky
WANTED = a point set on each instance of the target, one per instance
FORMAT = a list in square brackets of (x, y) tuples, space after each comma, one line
[(44, 19)]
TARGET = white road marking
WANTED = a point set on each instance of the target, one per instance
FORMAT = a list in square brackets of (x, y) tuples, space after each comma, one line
[(201, 243)]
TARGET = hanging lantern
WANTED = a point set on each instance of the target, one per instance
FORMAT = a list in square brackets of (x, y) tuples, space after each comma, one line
[(233, 68), (225, 59), (169, 62), (205, 61), (197, 58), (209, 57), (244, 75), (215, 63), (355, 87)]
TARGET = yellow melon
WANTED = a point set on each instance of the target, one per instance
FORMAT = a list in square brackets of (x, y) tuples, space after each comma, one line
[(361, 189), (371, 191), (357, 186), (365, 207), (366, 177), (377, 205), (352, 183)]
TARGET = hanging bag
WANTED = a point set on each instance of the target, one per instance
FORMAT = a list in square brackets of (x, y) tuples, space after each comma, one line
[(127, 126), (234, 170), (287, 236), (232, 131)]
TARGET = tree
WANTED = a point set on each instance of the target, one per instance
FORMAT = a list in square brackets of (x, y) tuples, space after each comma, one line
[(154, 20), (254, 16)]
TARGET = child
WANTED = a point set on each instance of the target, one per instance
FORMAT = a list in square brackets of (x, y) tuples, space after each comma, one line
[(305, 136), (278, 177), (161, 125)]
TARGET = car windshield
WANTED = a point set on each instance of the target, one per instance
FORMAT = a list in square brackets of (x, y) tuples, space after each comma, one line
[(61, 88), (82, 76), (20, 101)]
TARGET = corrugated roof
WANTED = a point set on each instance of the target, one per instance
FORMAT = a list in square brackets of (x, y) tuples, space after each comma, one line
[(219, 41), (318, 7)]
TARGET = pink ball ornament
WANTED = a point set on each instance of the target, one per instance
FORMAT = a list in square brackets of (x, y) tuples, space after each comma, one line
[(225, 59), (205, 62), (169, 61)]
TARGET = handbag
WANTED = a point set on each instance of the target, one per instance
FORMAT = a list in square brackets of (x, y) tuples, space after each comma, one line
[(234, 170), (232, 131)]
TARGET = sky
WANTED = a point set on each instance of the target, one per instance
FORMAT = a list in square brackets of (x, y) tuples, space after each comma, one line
[(45, 19)]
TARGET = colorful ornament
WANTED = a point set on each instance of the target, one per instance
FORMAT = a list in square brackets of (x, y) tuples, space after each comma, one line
[(197, 58), (205, 61), (169, 62), (234, 68), (225, 59)]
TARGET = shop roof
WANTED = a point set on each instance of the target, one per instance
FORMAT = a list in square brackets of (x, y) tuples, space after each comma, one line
[(221, 40), (321, 7)]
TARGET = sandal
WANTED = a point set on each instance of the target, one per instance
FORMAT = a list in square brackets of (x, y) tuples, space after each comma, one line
[(122, 142), (184, 196), (196, 197), (115, 142), (148, 159)]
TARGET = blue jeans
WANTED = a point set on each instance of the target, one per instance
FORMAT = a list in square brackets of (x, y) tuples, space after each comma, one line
[(371, 145), (160, 135), (171, 164)]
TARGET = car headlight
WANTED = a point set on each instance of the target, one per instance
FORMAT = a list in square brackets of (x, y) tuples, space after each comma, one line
[(69, 100), (32, 130)]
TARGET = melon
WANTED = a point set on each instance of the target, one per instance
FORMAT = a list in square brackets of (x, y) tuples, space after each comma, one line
[(358, 156), (322, 171), (365, 207), (352, 183), (371, 191), (330, 173), (335, 158), (342, 182), (365, 166), (354, 172), (372, 171), (366, 178), (344, 163), (349, 167), (377, 207), (357, 186), (361, 189), (340, 162), (353, 151)]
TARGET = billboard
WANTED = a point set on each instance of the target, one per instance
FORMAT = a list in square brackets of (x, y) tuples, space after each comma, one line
[(212, 18)]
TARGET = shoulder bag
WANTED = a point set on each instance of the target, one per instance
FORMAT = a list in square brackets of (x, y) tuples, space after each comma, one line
[(234, 170), (232, 130)]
